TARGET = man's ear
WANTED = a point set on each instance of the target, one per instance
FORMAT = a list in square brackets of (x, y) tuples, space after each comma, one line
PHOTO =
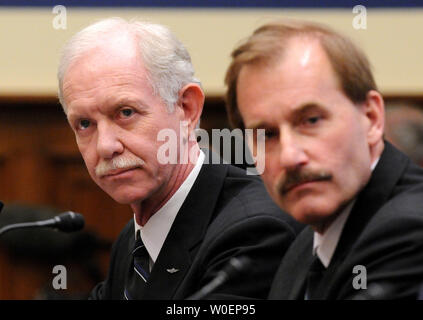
[(191, 101), (375, 114)]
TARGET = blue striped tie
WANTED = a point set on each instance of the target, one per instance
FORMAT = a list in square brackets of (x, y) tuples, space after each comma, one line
[(138, 275)]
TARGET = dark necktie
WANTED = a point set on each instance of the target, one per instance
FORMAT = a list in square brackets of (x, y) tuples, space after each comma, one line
[(314, 276), (139, 273)]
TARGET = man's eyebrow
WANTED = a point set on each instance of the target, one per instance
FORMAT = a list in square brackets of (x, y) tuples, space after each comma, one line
[(127, 101), (298, 111), (257, 125), (71, 116), (137, 103), (305, 107)]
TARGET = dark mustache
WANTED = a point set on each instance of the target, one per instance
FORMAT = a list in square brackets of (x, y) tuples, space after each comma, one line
[(296, 177)]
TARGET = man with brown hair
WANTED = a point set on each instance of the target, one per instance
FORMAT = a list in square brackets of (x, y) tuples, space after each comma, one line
[(326, 164)]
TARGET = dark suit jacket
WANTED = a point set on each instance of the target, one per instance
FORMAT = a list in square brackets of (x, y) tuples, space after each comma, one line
[(384, 233), (226, 214)]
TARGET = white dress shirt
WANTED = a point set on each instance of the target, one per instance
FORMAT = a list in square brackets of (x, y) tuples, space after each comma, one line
[(155, 231), (324, 245)]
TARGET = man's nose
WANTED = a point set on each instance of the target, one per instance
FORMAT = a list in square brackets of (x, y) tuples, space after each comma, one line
[(108, 141), (292, 154)]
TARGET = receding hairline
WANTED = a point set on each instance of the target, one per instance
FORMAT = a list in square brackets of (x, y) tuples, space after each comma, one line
[(286, 33), (113, 33), (108, 40), (270, 63), (267, 46), (165, 58), (102, 49)]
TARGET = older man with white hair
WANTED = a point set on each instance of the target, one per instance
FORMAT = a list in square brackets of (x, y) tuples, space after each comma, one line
[(122, 83)]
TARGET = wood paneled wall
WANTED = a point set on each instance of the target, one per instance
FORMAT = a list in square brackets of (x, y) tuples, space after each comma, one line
[(40, 165)]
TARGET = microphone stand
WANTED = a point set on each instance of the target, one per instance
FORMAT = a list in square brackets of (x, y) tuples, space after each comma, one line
[(67, 222), (233, 268), (26, 225)]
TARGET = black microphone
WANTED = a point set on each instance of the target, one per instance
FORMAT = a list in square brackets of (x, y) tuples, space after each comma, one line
[(67, 222), (234, 267), (386, 290), (375, 291)]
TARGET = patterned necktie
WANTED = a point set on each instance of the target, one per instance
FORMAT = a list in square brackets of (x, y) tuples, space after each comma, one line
[(314, 276), (139, 273)]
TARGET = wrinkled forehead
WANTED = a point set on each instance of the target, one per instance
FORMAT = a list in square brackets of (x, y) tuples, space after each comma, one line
[(111, 60), (104, 82)]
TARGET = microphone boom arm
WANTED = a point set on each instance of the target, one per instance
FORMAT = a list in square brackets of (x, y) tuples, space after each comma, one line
[(68, 222), (25, 225)]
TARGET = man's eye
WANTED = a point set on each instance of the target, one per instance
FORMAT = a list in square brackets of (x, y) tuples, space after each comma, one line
[(269, 134), (313, 120), (310, 121), (126, 112), (84, 124)]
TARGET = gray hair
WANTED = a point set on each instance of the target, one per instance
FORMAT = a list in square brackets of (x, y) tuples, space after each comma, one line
[(166, 59)]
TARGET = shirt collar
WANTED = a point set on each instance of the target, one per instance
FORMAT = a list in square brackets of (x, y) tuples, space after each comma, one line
[(155, 231), (324, 245)]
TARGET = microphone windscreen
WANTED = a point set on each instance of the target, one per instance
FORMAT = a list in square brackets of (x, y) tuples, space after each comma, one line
[(32, 242), (237, 266), (45, 243), (70, 221)]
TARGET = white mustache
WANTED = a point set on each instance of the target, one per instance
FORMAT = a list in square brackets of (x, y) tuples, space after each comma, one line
[(122, 162)]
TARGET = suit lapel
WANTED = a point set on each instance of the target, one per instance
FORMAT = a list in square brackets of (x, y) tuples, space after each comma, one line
[(385, 176), (187, 231), (305, 258), (289, 281)]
